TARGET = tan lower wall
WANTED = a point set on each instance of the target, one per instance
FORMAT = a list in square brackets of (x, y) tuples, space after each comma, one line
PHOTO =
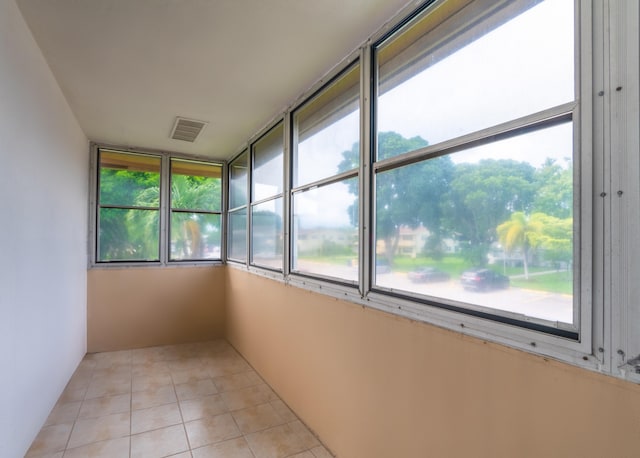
[(142, 307), (374, 385)]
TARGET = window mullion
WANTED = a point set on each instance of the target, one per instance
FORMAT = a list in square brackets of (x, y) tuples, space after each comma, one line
[(367, 123), (165, 209)]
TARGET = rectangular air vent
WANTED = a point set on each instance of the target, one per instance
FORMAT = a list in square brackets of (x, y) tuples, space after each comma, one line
[(187, 129)]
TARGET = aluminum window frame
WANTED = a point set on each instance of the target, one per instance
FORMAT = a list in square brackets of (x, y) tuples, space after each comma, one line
[(579, 340), (173, 210), (280, 123), (326, 181), (238, 208), (593, 348), (164, 208)]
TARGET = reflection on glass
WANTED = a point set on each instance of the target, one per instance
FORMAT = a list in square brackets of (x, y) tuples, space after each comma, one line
[(196, 186), (326, 230), (237, 247), (267, 164), (490, 71), (128, 235), (266, 223), (129, 180), (490, 226), (327, 127), (238, 181), (195, 236)]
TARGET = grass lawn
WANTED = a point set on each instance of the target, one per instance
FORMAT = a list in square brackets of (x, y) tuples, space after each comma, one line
[(556, 282)]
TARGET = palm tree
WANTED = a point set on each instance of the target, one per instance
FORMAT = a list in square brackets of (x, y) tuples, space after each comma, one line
[(522, 232)]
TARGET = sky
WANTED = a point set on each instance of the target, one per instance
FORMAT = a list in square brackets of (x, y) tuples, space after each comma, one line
[(519, 68)]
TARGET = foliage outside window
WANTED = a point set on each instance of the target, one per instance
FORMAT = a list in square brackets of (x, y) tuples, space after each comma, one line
[(128, 207), (325, 183), (130, 219), (474, 162), (196, 202)]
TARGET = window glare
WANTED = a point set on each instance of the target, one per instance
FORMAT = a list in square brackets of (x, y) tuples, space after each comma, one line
[(328, 129), (325, 230), (516, 70), (237, 248), (267, 235), (268, 154), (195, 236), (238, 181)]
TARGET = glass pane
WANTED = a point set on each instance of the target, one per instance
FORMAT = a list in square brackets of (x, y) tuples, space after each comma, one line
[(267, 234), (128, 235), (438, 82), (325, 230), (328, 131), (196, 186), (131, 180), (195, 236), (237, 247), (238, 181), (490, 226), (267, 164)]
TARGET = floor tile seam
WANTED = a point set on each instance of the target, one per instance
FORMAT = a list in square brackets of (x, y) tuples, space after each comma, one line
[(284, 422), (184, 426), (130, 409), (156, 428)]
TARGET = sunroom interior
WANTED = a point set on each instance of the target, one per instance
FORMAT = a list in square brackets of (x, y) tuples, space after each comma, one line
[(373, 363)]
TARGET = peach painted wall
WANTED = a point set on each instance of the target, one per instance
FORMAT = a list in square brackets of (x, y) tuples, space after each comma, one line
[(142, 307), (375, 385)]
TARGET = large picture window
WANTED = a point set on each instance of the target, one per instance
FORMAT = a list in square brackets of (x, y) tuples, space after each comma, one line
[(474, 202)]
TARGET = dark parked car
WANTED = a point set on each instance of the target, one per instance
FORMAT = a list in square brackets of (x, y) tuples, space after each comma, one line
[(483, 280), (427, 274)]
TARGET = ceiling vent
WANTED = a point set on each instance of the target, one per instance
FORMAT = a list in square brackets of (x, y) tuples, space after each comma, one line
[(187, 129)]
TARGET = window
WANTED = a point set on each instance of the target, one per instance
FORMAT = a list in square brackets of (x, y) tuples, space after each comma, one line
[(326, 157), (128, 207), (472, 168), (132, 224), (476, 121), (196, 201), (267, 199), (238, 185)]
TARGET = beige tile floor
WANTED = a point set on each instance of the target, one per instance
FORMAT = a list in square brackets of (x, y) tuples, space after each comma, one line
[(184, 401)]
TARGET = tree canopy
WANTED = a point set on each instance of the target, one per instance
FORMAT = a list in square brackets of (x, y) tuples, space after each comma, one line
[(465, 202)]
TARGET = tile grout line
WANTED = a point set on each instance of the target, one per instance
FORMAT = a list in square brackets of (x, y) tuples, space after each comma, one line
[(184, 426), (131, 407)]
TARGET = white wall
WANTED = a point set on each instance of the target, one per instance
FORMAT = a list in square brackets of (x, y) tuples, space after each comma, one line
[(43, 232)]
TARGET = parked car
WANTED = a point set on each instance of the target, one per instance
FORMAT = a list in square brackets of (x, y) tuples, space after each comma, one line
[(483, 280), (427, 274), (382, 266)]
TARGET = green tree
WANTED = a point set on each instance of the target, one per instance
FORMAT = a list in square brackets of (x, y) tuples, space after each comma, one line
[(554, 189), (129, 234), (405, 196), (483, 195), (522, 232), (191, 232)]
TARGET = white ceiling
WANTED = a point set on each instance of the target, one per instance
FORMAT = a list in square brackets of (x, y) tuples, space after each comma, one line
[(129, 67)]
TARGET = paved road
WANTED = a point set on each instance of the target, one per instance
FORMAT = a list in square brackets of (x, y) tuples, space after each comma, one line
[(537, 304)]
